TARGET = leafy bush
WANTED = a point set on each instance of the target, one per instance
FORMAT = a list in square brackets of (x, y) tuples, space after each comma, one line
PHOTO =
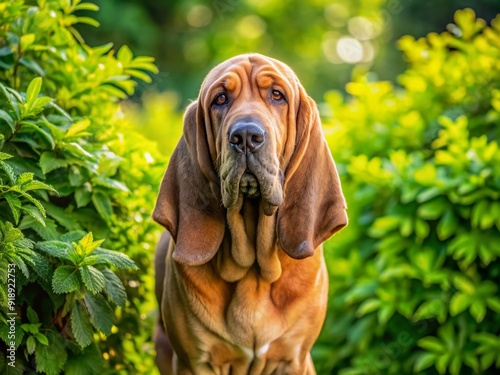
[(71, 170), (414, 278)]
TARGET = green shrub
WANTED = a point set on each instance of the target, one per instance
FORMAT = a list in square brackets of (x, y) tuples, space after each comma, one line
[(71, 170), (414, 278)]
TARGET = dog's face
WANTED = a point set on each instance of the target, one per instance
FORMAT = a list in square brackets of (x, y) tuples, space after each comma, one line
[(247, 104), (255, 135)]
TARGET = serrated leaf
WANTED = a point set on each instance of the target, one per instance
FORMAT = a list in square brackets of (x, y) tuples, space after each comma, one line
[(114, 289), (14, 205), (115, 258), (9, 171), (87, 362), (58, 249), (31, 344), (92, 278), (88, 244), (4, 156), (80, 325), (37, 185), (65, 280), (101, 314), (35, 214), (51, 358)]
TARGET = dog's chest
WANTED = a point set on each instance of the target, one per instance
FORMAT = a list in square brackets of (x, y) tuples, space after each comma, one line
[(250, 311)]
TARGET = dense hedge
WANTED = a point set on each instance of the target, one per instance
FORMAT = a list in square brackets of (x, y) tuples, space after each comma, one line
[(73, 173), (414, 278)]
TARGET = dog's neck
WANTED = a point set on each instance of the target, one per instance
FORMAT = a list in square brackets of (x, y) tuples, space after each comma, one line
[(250, 241)]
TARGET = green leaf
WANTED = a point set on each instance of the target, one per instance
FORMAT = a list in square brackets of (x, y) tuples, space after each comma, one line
[(114, 289), (37, 185), (110, 183), (433, 209), (125, 54), (87, 362), (455, 365), (80, 325), (41, 338), (8, 119), (49, 162), (459, 302), (478, 310), (92, 278), (424, 361), (31, 344), (102, 204), (9, 171), (368, 306), (77, 128), (33, 91), (65, 280), (101, 314), (14, 205), (447, 226), (51, 358), (32, 315), (56, 249), (432, 344), (115, 258), (32, 65), (34, 213), (83, 195), (88, 244), (494, 304)]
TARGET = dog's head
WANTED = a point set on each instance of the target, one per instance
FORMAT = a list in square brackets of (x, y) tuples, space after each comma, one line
[(254, 134)]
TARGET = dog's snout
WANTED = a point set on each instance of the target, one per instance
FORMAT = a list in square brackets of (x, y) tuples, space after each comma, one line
[(246, 136)]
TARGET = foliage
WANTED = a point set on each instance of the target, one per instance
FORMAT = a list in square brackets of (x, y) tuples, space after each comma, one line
[(70, 169), (186, 37), (414, 278)]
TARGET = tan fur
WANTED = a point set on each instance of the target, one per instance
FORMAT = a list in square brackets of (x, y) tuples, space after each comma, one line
[(242, 282)]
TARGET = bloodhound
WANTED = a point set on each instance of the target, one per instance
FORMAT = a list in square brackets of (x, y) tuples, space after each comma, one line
[(249, 196)]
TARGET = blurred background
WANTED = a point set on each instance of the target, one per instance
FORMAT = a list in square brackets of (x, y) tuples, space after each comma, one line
[(409, 92), (325, 42)]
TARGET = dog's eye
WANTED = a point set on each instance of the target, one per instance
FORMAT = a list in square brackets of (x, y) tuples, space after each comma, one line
[(220, 99), (277, 96)]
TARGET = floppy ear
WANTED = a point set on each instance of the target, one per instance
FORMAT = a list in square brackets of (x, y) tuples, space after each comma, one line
[(314, 207), (188, 201)]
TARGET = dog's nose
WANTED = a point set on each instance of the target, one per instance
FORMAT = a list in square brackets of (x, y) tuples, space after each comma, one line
[(246, 136)]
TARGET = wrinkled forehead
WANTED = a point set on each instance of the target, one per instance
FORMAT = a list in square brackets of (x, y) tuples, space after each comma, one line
[(253, 68)]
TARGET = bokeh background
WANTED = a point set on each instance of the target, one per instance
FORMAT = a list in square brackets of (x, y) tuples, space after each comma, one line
[(409, 95)]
